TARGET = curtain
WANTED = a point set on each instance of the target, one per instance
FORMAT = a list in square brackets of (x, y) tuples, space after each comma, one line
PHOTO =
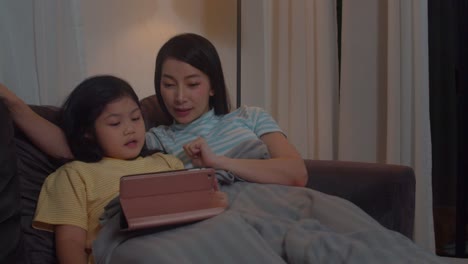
[(39, 51), (48, 46), (384, 94), (301, 77)]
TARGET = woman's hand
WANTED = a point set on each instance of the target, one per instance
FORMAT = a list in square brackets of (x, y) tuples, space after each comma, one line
[(200, 153), (285, 166)]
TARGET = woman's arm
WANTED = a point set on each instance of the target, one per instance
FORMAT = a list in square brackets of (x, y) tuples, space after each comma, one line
[(44, 134), (70, 243), (285, 167)]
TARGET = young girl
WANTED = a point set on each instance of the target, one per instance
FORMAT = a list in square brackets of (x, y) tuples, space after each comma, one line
[(106, 133)]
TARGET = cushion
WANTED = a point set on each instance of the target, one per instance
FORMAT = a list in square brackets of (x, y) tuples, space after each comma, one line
[(33, 167)]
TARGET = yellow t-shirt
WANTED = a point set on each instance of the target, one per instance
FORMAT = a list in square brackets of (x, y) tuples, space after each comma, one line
[(76, 193)]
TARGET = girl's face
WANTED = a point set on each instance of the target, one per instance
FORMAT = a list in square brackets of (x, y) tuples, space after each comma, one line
[(185, 90), (120, 129)]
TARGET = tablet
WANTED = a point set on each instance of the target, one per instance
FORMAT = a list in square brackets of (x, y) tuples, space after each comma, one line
[(170, 197)]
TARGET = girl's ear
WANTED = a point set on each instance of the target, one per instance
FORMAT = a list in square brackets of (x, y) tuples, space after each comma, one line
[(211, 93), (88, 135)]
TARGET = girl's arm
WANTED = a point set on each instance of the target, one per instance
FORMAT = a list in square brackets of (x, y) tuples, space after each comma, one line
[(44, 134), (286, 166), (70, 243)]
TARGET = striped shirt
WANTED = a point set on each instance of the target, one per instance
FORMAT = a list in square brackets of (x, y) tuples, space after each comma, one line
[(222, 133)]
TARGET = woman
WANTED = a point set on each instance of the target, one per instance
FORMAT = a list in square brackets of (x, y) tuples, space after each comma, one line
[(190, 87)]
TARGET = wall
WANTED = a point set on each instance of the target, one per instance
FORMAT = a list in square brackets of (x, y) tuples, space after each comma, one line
[(125, 39)]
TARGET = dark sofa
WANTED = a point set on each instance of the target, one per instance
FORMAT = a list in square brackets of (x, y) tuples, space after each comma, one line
[(386, 192)]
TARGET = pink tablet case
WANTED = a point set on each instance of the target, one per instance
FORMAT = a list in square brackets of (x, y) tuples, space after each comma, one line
[(171, 197)]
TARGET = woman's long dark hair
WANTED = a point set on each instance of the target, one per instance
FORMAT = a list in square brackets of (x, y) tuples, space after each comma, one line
[(83, 106), (200, 53)]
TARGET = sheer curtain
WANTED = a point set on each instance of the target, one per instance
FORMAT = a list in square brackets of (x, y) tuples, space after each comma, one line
[(380, 114), (300, 78), (39, 51), (384, 104)]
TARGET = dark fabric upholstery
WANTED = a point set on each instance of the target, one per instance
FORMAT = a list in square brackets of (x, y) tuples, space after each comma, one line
[(33, 167), (386, 192), (9, 190)]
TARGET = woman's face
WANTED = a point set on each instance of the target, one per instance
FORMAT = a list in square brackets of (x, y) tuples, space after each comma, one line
[(185, 90)]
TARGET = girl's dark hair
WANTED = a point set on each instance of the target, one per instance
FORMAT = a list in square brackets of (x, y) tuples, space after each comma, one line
[(200, 53), (83, 106)]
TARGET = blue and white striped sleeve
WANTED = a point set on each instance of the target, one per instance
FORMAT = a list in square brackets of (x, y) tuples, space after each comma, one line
[(152, 140), (262, 122)]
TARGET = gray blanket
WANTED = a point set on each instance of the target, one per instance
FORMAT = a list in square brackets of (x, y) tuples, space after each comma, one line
[(265, 223)]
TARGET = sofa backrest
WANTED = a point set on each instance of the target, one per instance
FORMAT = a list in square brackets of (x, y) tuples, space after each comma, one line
[(152, 112)]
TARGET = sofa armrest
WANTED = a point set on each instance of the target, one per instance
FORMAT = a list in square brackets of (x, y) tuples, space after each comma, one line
[(385, 192)]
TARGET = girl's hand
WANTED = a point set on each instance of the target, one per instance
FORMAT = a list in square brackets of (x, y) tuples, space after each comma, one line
[(200, 153), (222, 197)]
